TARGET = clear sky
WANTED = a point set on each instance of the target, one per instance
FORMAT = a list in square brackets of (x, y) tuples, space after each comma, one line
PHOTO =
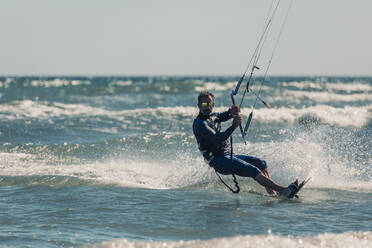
[(190, 37)]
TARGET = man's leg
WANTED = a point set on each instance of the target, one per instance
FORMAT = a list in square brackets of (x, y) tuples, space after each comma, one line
[(260, 164), (222, 164), (268, 183)]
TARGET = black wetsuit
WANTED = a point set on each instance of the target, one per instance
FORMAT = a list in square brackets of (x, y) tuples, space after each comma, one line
[(210, 140), (215, 148)]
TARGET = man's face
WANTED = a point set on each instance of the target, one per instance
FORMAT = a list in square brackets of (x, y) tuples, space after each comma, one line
[(206, 105)]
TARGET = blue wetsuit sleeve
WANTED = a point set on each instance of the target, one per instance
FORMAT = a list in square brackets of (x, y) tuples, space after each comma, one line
[(224, 116), (212, 136)]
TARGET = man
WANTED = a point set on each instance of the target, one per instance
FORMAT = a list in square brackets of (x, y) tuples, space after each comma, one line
[(215, 148)]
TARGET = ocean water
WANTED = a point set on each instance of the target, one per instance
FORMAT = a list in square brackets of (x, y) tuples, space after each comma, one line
[(112, 162)]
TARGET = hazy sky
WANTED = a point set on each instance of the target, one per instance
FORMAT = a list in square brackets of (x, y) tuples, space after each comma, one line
[(170, 37)]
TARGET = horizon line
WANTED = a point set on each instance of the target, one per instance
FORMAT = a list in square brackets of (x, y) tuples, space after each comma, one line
[(182, 75)]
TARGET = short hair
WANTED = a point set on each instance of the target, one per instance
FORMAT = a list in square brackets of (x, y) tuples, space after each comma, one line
[(204, 94)]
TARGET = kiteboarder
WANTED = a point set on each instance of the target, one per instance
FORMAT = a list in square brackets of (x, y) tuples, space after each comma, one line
[(215, 148)]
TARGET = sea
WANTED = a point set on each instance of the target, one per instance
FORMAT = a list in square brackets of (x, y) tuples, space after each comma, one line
[(112, 162)]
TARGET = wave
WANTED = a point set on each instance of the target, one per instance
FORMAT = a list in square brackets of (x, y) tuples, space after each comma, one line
[(47, 180), (57, 83), (46, 83), (340, 116), (308, 85), (42, 110), (339, 86), (122, 83), (98, 86), (346, 240), (332, 158), (298, 96), (344, 117), (22, 168), (317, 155), (228, 86)]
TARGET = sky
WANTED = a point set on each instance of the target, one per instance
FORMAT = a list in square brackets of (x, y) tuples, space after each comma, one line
[(184, 37)]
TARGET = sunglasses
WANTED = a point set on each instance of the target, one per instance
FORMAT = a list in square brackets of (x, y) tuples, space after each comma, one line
[(205, 104)]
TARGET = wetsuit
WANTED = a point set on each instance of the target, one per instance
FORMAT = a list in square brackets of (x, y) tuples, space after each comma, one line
[(215, 148)]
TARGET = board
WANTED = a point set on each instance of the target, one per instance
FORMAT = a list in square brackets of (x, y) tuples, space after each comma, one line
[(300, 186)]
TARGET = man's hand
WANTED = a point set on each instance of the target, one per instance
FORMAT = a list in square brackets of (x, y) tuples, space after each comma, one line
[(237, 121), (234, 110)]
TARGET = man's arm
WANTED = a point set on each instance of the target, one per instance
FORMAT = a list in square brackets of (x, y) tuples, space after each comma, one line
[(224, 116), (208, 133)]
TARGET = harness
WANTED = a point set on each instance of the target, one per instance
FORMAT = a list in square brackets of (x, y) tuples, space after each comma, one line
[(237, 190)]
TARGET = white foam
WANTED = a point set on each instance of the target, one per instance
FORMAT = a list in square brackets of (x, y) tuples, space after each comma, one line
[(213, 86), (352, 87), (154, 174), (34, 109), (346, 116), (303, 156), (303, 85), (57, 83), (331, 240), (228, 86), (6, 83), (122, 83), (340, 86), (298, 96)]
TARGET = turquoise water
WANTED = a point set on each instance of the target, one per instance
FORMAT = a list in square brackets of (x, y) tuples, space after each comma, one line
[(112, 161)]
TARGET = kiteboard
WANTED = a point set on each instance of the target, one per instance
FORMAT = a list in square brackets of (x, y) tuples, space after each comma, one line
[(299, 187)]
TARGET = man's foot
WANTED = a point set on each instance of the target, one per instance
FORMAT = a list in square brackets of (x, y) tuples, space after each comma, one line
[(293, 187), (290, 191)]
